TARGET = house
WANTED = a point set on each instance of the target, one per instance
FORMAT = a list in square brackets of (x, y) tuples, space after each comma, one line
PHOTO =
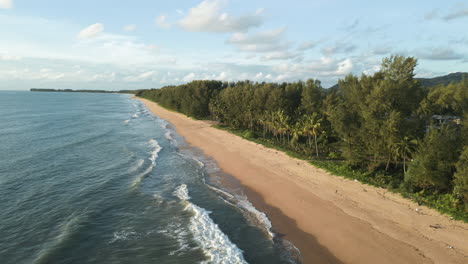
[(443, 120)]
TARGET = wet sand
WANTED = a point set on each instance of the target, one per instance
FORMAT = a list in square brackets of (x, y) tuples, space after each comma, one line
[(330, 219)]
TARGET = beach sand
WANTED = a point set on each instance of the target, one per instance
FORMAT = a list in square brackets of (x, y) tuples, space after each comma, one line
[(330, 219)]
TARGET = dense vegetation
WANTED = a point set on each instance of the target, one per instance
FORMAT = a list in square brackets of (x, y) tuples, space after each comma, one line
[(384, 129)]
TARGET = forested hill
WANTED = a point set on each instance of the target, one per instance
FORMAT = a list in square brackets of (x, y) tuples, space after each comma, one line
[(443, 80), (430, 82)]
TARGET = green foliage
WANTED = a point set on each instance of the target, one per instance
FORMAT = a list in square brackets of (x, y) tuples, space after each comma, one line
[(191, 99), (446, 100), (434, 162), (461, 178), (249, 134), (376, 128)]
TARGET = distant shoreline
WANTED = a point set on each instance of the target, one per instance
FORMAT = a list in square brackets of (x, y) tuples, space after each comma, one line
[(330, 219), (78, 91)]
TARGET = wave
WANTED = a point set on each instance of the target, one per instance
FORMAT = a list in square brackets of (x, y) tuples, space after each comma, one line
[(177, 231), (168, 135), (257, 217), (142, 175), (125, 234), (215, 244), (126, 121), (138, 164), (66, 230), (156, 150), (199, 162), (135, 116), (164, 124), (153, 156)]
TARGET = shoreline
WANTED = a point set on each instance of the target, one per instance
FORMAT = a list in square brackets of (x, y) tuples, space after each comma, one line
[(330, 219)]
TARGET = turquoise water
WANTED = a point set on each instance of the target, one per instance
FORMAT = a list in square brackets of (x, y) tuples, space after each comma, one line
[(96, 178)]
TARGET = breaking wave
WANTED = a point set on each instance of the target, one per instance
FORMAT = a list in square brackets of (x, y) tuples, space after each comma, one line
[(252, 214), (214, 243), (156, 150), (153, 156)]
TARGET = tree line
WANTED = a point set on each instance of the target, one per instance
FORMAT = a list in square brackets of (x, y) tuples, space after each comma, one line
[(402, 135)]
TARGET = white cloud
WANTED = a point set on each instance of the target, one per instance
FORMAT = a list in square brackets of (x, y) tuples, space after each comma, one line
[(325, 67), (265, 41), (161, 22), (129, 28), (189, 77), (341, 47), (91, 31), (440, 53), (207, 17), (458, 11), (307, 45), (344, 68), (6, 4), (270, 42), (280, 55), (10, 58), (141, 77), (457, 14), (259, 75), (222, 76)]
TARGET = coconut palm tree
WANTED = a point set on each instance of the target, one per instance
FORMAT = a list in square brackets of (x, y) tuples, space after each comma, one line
[(313, 128), (404, 148)]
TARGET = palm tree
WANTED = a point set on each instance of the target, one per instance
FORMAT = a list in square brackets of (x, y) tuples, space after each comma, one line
[(313, 128), (404, 148), (296, 132), (263, 121)]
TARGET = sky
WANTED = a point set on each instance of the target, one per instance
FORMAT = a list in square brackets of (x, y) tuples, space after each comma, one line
[(140, 44)]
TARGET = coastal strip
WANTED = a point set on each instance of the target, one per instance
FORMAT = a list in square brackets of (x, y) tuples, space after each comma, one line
[(330, 219)]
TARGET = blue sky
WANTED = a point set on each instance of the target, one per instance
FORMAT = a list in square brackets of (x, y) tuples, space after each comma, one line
[(104, 44)]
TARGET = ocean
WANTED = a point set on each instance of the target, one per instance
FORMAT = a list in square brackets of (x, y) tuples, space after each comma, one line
[(97, 178)]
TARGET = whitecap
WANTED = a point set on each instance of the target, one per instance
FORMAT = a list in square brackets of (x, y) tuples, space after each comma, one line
[(155, 151), (260, 217), (153, 156), (182, 193), (199, 163), (125, 234), (142, 175), (168, 135), (252, 214), (214, 243), (180, 233)]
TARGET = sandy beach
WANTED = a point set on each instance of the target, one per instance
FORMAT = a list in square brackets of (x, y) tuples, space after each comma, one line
[(330, 219)]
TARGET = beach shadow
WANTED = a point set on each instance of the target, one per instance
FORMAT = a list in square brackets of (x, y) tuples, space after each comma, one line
[(286, 228)]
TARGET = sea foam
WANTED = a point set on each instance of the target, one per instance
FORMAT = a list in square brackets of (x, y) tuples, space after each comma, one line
[(258, 218), (156, 150), (215, 244)]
